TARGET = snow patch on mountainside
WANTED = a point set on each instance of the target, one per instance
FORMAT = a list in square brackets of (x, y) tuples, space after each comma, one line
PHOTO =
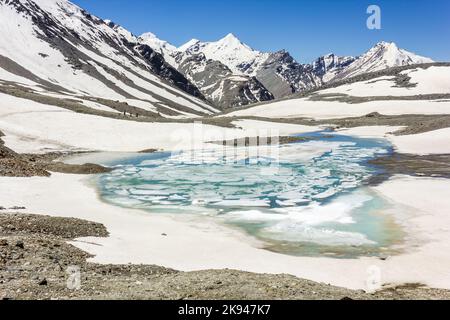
[(304, 108), (431, 80), (219, 84)]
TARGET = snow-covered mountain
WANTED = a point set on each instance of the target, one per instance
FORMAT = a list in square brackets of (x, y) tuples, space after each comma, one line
[(382, 56), (329, 66), (56, 48), (237, 56), (276, 72), (216, 68), (160, 46), (282, 75), (220, 85)]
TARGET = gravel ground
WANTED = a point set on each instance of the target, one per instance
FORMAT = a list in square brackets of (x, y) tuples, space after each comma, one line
[(35, 258), (435, 165)]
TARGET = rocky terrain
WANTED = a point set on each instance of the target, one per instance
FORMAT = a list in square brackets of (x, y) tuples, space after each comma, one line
[(38, 261), (219, 84)]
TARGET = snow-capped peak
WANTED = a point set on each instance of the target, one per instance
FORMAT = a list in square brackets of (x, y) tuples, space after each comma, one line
[(229, 50), (70, 51), (231, 43), (392, 55), (155, 43), (160, 46), (386, 44), (230, 40), (382, 56), (147, 36)]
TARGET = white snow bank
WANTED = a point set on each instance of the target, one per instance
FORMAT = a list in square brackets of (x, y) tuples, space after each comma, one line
[(28, 125)]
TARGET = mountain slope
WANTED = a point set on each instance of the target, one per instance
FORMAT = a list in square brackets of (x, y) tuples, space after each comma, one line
[(421, 89), (230, 51), (53, 46), (56, 47), (283, 76), (382, 56), (162, 47), (328, 66), (214, 68), (220, 85)]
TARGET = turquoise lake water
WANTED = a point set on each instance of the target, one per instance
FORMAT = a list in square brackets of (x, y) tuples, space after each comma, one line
[(311, 199)]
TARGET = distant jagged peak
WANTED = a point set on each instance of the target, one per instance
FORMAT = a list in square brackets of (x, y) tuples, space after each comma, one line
[(231, 40), (382, 55), (148, 36), (386, 44), (229, 50), (395, 56)]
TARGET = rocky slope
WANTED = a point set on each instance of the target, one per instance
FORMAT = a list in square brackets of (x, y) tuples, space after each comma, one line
[(55, 47), (35, 260), (219, 84), (327, 67), (283, 76)]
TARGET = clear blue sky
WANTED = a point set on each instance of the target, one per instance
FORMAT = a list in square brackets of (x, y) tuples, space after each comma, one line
[(307, 29)]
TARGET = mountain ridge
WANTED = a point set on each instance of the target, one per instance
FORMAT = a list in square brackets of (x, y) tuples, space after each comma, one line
[(224, 74), (72, 51), (282, 75)]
